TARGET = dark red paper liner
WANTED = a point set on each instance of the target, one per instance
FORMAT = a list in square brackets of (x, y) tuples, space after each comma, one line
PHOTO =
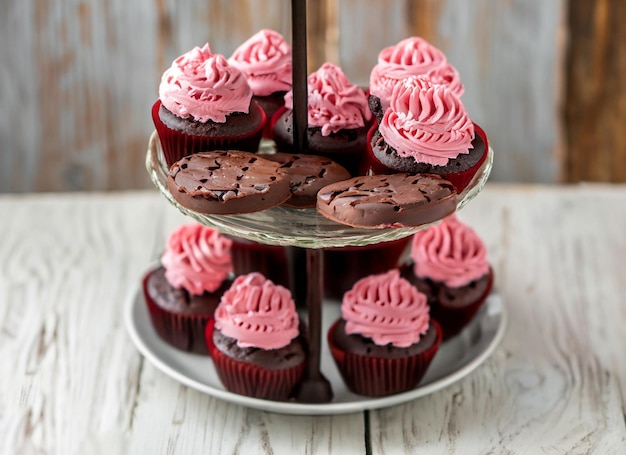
[(454, 319), (183, 331), (269, 260), (249, 379), (344, 266), (176, 144), (460, 180), (377, 377)]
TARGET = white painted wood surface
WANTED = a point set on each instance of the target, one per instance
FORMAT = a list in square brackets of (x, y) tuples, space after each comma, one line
[(71, 382)]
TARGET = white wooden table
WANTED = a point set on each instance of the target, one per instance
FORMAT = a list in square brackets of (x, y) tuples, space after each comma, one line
[(71, 381)]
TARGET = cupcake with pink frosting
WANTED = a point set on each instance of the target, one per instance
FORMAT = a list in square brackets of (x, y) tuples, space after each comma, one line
[(338, 118), (410, 57), (183, 292), (205, 104), (426, 129), (385, 340), (450, 265), (254, 339), (265, 59)]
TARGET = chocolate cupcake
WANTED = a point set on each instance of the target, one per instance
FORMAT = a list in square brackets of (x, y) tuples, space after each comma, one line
[(338, 119), (449, 265), (184, 291), (254, 340), (265, 60), (426, 129), (205, 104), (385, 340)]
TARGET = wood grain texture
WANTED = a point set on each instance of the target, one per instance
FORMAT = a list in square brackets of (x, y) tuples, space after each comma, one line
[(595, 112), (77, 85), (557, 383), (78, 81), (71, 381), (509, 56)]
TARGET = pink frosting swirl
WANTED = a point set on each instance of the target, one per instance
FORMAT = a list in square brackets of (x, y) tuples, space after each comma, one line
[(265, 59), (203, 86), (412, 56), (197, 258), (387, 309), (427, 122), (447, 75), (257, 313), (334, 103), (450, 252)]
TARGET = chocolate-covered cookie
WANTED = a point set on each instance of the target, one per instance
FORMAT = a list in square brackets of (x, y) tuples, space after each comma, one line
[(227, 182), (308, 174), (382, 201)]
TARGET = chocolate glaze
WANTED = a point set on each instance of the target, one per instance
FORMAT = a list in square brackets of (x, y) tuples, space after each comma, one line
[(381, 201), (308, 174), (227, 182)]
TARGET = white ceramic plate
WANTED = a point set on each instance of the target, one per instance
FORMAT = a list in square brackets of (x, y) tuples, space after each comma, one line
[(455, 359)]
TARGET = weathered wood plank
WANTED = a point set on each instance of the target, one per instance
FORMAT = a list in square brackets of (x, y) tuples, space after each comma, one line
[(70, 379), (551, 387), (509, 55), (595, 109)]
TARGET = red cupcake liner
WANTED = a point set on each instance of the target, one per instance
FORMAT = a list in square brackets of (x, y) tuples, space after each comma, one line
[(344, 266), (455, 319), (183, 331), (176, 144), (269, 260), (460, 180), (249, 379), (377, 377)]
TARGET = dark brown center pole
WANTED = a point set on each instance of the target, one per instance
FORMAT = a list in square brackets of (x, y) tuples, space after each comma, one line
[(299, 75), (314, 388)]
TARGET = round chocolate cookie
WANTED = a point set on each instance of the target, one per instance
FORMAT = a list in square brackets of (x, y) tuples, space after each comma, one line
[(227, 182), (308, 174), (382, 201)]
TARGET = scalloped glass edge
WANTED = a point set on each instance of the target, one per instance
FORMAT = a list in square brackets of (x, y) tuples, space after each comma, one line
[(287, 226)]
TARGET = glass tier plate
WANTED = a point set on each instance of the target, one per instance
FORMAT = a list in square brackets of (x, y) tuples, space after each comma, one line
[(456, 359), (294, 227)]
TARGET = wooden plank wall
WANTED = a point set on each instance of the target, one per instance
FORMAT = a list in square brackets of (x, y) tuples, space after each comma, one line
[(78, 77)]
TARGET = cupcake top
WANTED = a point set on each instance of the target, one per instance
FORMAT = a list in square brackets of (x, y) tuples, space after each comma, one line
[(334, 103), (257, 313), (203, 86), (450, 252), (197, 258), (412, 56), (265, 59), (387, 309), (426, 122)]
